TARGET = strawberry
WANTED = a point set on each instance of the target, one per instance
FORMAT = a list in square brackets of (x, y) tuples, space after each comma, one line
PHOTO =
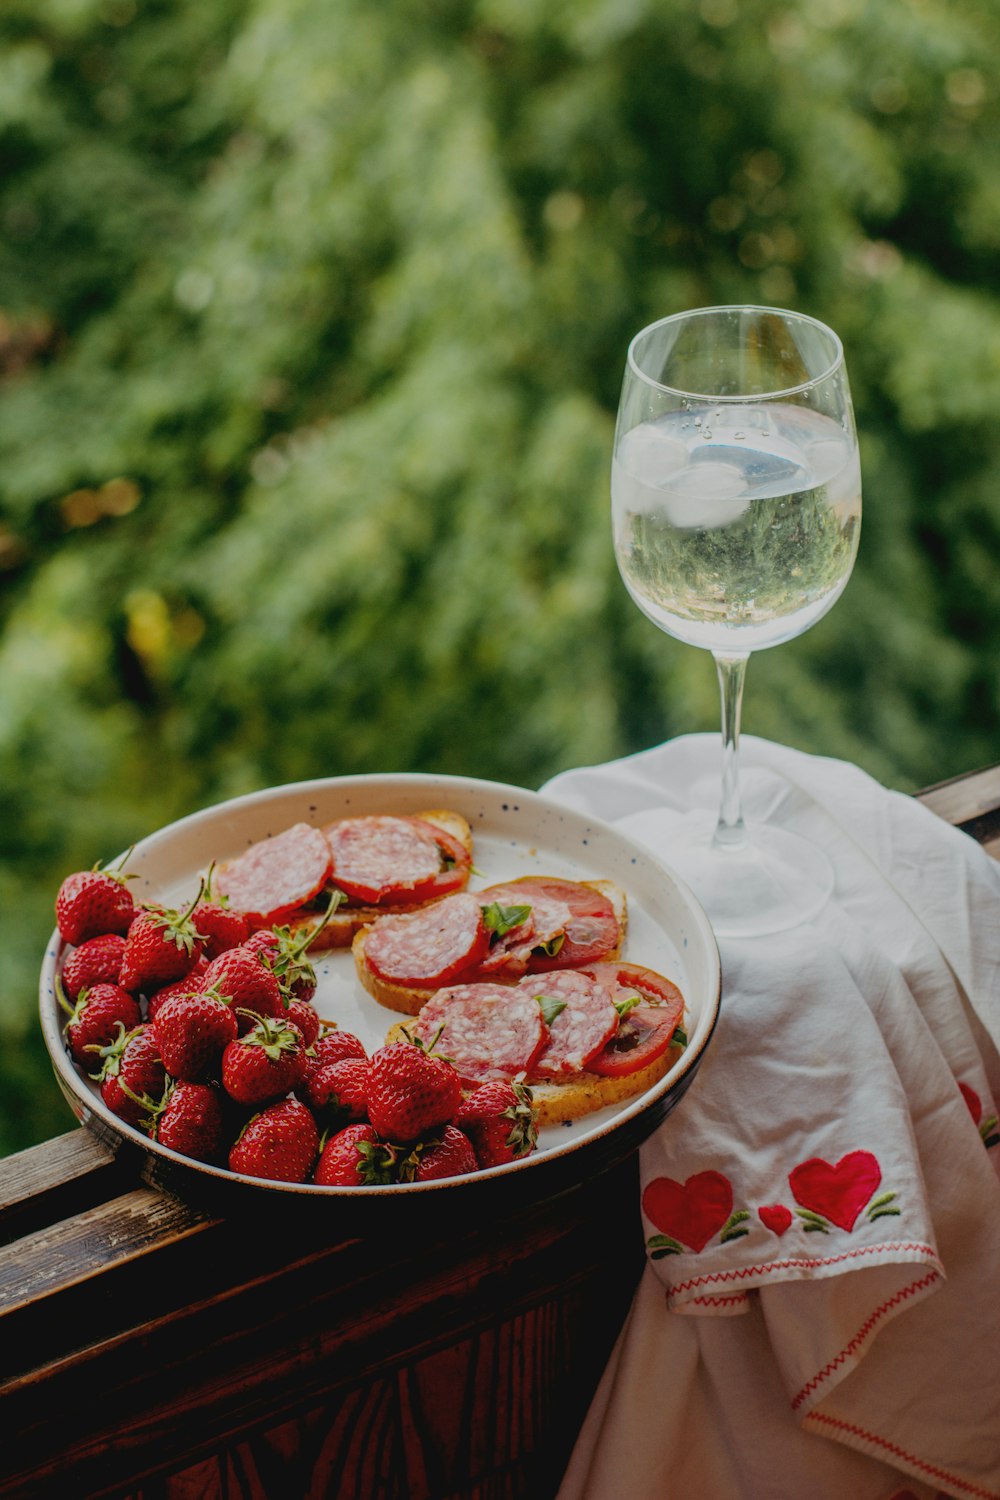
[(284, 955), (332, 1044), (133, 1074), (161, 945), (280, 1143), (410, 1091), (448, 1155), (96, 961), (265, 1063), (243, 981), (305, 1018), (189, 1120), (219, 926), (340, 1087), (191, 984), (193, 1031), (499, 1120), (91, 903), (94, 1020), (355, 1157)]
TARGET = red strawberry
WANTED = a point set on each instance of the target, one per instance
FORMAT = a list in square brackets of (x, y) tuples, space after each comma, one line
[(243, 981), (451, 1155), (305, 1018), (193, 1031), (189, 1120), (340, 1087), (161, 945), (220, 927), (265, 1063), (332, 1044), (410, 1091), (133, 1076), (284, 954), (97, 961), (279, 1144), (91, 903), (94, 1020), (499, 1120), (355, 1157), (191, 984)]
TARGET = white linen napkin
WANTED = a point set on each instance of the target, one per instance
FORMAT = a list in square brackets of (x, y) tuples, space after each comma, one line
[(820, 1312)]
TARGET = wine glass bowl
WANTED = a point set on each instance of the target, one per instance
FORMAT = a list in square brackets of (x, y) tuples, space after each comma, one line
[(736, 505)]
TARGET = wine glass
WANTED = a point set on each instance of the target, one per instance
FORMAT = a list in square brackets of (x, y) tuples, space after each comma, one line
[(736, 502)]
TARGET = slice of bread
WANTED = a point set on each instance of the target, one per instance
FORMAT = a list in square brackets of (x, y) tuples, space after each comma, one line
[(587, 1092), (347, 920), (558, 1103), (408, 1001)]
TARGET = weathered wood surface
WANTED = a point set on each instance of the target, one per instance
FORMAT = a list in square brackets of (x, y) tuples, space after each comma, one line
[(150, 1350), (972, 803)]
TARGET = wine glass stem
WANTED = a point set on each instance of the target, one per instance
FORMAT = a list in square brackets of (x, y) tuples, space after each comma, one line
[(730, 831)]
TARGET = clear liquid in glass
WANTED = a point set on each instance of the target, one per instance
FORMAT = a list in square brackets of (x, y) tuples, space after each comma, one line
[(736, 528)]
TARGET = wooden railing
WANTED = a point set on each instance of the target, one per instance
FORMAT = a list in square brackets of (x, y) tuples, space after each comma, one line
[(149, 1347)]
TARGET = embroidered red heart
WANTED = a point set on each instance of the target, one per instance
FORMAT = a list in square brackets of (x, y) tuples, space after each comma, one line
[(691, 1212), (775, 1216), (837, 1193), (973, 1102)]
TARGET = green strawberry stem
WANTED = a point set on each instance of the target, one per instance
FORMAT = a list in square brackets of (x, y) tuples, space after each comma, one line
[(272, 1035), (118, 870), (64, 1002), (178, 927)]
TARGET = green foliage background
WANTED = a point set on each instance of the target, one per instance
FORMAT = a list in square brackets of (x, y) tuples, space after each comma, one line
[(312, 321)]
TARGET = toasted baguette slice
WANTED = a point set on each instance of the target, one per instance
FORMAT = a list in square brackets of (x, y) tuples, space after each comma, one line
[(559, 1103), (346, 921), (409, 1001), (587, 1092)]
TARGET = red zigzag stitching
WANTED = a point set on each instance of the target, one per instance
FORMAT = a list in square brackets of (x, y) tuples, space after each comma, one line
[(862, 1334), (743, 1272), (893, 1448)]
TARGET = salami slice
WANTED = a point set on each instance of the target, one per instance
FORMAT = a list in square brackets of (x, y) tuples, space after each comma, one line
[(489, 1031), (427, 948), (384, 860), (277, 875), (570, 924), (579, 1030)]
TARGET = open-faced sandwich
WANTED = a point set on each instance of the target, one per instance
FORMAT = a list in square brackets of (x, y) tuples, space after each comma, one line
[(366, 865), (579, 1038), (532, 925)]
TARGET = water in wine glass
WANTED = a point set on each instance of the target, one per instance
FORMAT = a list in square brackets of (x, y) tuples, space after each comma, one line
[(736, 526)]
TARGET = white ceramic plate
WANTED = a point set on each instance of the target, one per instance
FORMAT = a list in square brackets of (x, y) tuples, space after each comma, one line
[(515, 832)]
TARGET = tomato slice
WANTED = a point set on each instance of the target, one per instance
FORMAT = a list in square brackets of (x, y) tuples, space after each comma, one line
[(644, 1032), (386, 861)]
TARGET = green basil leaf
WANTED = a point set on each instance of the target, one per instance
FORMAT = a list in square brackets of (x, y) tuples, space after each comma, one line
[(550, 1007), (629, 1003), (503, 919)]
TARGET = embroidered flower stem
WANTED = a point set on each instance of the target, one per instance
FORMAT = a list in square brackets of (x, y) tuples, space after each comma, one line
[(660, 1245), (879, 1207), (731, 1230)]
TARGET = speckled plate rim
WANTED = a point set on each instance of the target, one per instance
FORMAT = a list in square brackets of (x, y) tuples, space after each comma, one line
[(247, 818)]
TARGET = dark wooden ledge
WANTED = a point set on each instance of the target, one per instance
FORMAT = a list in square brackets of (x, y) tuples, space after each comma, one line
[(154, 1349)]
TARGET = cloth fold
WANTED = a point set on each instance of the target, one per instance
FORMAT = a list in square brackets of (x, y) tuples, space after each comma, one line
[(822, 1211)]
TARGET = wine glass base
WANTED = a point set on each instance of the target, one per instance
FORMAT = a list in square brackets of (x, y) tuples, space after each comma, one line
[(773, 882)]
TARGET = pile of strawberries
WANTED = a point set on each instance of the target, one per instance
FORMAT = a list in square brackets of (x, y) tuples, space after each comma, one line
[(201, 1032)]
